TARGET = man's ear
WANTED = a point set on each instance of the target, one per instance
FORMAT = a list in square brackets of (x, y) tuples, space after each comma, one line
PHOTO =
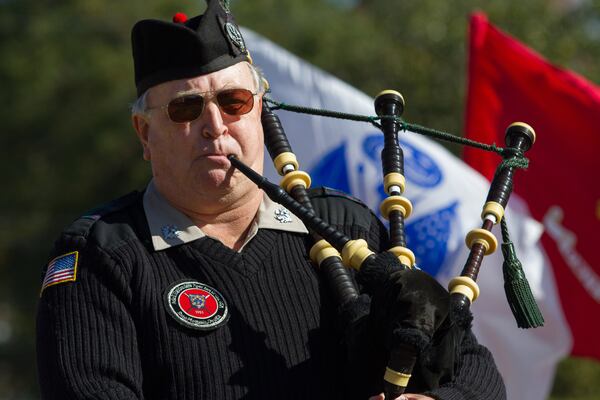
[(140, 124)]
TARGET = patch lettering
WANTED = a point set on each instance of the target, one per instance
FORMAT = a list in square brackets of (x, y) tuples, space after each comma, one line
[(196, 305), (61, 269)]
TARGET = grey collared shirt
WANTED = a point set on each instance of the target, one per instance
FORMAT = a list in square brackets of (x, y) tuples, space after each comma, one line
[(170, 227)]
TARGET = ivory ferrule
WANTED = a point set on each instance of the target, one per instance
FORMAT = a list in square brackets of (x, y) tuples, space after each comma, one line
[(394, 179), (405, 255), (392, 203), (295, 178), (284, 159), (355, 252), (464, 285), (484, 237), (396, 378), (322, 250), (493, 208)]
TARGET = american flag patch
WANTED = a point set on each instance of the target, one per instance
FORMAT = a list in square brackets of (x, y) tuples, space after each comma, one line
[(61, 269)]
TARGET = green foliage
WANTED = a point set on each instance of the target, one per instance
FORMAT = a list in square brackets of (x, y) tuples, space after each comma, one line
[(67, 82), (577, 379)]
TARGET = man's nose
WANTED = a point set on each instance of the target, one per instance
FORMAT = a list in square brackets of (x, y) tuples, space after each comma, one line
[(212, 121)]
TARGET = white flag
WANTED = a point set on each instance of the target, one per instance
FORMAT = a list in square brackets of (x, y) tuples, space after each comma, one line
[(447, 196)]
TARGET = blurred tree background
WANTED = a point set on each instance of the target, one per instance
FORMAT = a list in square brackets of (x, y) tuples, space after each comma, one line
[(66, 79)]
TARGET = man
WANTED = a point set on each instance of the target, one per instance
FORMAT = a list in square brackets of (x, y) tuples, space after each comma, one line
[(201, 287)]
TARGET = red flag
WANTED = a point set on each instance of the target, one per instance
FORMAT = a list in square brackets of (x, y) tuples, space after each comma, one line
[(509, 82)]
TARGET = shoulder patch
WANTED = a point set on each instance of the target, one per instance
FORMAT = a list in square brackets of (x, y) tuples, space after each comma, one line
[(61, 269)]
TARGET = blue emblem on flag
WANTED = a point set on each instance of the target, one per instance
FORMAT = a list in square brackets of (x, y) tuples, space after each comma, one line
[(427, 238), (428, 235), (61, 269), (419, 168), (331, 171)]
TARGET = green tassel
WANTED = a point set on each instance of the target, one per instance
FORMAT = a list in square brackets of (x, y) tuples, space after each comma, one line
[(518, 293)]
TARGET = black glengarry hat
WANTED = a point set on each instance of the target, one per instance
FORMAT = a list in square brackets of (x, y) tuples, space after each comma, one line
[(165, 51)]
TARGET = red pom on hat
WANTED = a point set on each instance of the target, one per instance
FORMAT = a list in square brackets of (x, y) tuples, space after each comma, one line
[(179, 18)]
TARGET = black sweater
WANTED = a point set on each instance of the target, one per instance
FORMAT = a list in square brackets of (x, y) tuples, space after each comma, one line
[(108, 335)]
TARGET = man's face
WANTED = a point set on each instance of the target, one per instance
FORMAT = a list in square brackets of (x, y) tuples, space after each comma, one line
[(191, 158)]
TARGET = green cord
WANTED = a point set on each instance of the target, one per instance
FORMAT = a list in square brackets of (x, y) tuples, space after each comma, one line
[(320, 112), (421, 130), (451, 138)]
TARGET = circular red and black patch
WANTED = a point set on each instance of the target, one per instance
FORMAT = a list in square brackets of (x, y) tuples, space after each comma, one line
[(196, 305)]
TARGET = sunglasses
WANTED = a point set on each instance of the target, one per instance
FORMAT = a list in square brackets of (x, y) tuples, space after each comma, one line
[(189, 107)]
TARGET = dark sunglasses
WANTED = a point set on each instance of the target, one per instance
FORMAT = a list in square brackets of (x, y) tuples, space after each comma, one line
[(189, 107)]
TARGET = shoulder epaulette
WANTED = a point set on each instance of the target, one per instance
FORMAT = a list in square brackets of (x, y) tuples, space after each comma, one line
[(331, 192), (70, 247), (82, 225), (339, 208)]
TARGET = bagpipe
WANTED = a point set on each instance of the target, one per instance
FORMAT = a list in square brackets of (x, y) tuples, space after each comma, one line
[(414, 315)]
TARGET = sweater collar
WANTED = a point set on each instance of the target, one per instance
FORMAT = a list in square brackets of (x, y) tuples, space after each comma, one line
[(170, 227)]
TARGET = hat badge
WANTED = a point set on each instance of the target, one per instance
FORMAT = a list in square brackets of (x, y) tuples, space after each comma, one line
[(235, 35), (225, 5)]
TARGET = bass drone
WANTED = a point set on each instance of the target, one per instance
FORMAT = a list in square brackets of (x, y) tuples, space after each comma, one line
[(416, 316)]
